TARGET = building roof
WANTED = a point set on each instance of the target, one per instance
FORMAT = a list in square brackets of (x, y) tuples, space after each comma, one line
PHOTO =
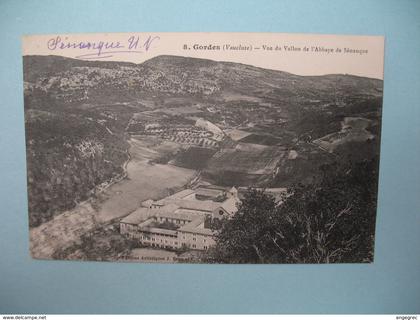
[(230, 205), (197, 226), (138, 216), (198, 205), (146, 222), (181, 194), (166, 209), (142, 214), (175, 207), (209, 192), (180, 214), (192, 213)]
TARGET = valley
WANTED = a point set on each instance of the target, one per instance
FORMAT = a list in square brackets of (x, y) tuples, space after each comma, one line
[(102, 137)]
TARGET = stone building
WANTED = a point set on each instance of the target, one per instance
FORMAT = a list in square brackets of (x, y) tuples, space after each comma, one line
[(179, 220)]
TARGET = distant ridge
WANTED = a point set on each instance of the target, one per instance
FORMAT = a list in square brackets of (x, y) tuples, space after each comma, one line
[(59, 63)]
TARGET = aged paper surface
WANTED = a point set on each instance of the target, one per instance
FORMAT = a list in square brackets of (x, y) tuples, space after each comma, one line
[(203, 147)]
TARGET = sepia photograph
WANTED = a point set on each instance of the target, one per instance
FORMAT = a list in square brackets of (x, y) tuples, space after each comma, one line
[(234, 148)]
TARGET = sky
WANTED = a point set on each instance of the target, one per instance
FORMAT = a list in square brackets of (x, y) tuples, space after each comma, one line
[(302, 54)]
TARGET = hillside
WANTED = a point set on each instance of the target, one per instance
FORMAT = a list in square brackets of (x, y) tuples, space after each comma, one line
[(279, 128)]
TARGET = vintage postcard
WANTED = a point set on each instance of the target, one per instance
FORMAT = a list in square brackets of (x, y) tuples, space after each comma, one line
[(203, 147)]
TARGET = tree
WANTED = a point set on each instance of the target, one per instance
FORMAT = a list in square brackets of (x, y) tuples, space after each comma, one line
[(326, 222), (244, 238)]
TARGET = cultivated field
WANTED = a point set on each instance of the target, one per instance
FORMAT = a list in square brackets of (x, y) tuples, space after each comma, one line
[(245, 164), (194, 158)]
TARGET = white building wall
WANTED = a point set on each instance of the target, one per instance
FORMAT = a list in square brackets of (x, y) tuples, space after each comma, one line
[(194, 241)]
